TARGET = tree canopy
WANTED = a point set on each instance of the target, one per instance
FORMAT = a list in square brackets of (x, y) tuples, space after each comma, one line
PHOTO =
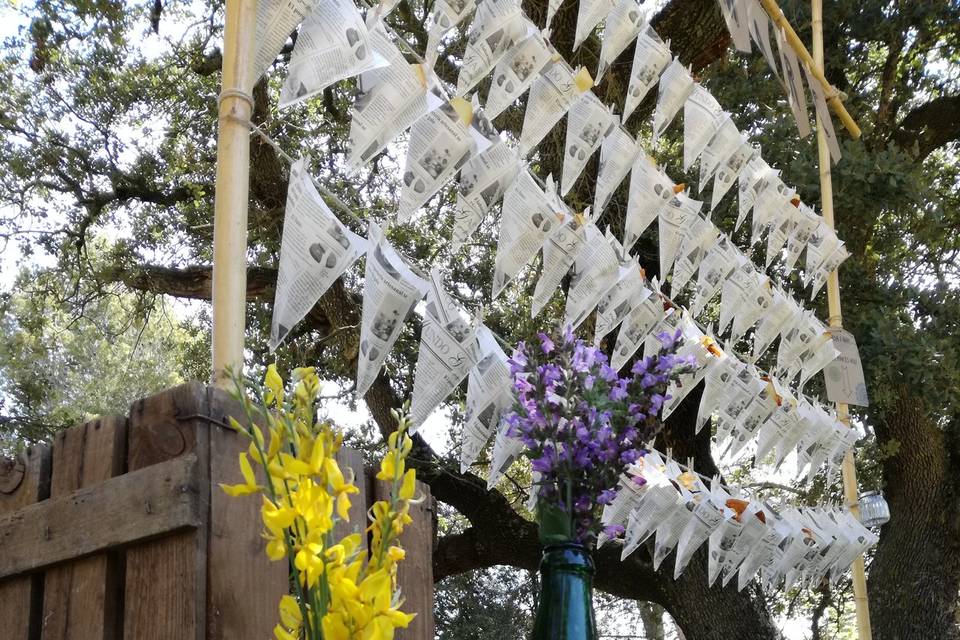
[(107, 163)]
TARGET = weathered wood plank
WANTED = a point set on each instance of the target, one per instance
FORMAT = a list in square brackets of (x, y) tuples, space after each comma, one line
[(80, 598), (129, 508), (245, 587), (165, 587), (350, 460), (415, 573), (23, 481)]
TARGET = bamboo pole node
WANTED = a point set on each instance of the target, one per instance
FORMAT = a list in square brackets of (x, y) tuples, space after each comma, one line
[(235, 93)]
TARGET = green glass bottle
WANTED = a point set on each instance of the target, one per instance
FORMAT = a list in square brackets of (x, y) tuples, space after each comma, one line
[(565, 611)]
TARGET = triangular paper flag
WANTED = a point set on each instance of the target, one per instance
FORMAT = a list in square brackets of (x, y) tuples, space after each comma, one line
[(390, 99), (516, 71), (589, 15), (332, 44), (676, 84), (390, 291), (448, 350), (651, 56), (560, 250), (528, 216), (440, 144), (488, 396), (483, 181), (622, 26), (588, 122), (498, 26), (315, 250), (701, 113), (617, 155)]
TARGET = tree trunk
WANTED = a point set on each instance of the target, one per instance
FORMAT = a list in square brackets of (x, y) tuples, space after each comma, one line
[(915, 574), (652, 617)]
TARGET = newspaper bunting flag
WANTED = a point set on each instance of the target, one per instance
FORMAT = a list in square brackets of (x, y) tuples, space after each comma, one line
[(589, 15), (617, 303), (516, 72), (752, 306), (735, 288), (714, 388), (552, 7), (588, 122), (333, 44), (506, 449), (594, 272), (651, 56), (560, 250), (448, 350), (390, 291), (723, 143), (617, 154), (650, 191), (440, 144), (483, 181), (701, 113), (820, 246), (390, 99), (759, 24), (315, 250), (731, 170), (818, 355), (780, 229), (276, 19), (781, 312), (716, 266), (754, 180), (636, 326), (498, 26), (551, 96), (446, 15), (489, 395), (828, 266), (823, 113), (697, 239), (794, 83), (805, 222), (621, 27), (676, 84), (707, 516), (770, 203), (529, 214), (672, 221), (735, 14)]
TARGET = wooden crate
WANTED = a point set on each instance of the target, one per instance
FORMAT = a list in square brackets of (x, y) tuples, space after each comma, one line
[(119, 530)]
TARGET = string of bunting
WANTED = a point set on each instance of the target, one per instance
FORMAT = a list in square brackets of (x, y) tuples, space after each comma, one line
[(452, 134)]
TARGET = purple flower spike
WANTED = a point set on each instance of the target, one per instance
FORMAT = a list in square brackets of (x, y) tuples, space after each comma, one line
[(614, 530), (546, 343), (581, 424), (606, 496)]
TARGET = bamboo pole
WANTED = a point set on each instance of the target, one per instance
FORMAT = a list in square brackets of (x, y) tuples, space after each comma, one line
[(232, 189), (848, 469), (833, 96)]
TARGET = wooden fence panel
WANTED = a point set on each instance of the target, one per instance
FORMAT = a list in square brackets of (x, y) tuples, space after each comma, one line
[(244, 585), (23, 481), (165, 586), (415, 573), (132, 537), (81, 598)]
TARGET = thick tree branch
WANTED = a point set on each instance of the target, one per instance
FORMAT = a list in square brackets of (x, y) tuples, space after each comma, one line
[(929, 127)]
